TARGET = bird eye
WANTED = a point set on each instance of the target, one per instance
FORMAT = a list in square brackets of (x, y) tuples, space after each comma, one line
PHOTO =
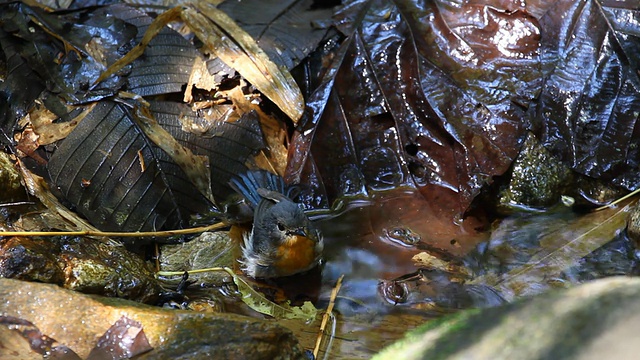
[(280, 226)]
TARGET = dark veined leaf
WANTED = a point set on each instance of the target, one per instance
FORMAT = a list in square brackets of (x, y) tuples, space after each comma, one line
[(67, 57), (590, 102), (167, 62), (15, 104), (423, 95), (24, 62), (118, 178), (287, 31), (113, 171), (229, 145), (57, 56)]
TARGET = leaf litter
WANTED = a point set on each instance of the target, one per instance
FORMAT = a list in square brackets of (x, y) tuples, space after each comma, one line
[(557, 255)]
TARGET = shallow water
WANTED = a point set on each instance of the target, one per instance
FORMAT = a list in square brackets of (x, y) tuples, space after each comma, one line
[(385, 294)]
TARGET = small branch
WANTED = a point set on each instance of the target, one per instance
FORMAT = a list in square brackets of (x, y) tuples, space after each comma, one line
[(165, 233)]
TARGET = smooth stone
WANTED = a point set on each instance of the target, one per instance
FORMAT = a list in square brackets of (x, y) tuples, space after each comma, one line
[(77, 321), (597, 320)]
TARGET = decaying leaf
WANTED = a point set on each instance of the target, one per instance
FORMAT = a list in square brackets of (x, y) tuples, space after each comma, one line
[(43, 122), (239, 50), (430, 262), (224, 38), (38, 187), (195, 167), (261, 304), (228, 143), (125, 339), (17, 334), (288, 31), (421, 95), (559, 250)]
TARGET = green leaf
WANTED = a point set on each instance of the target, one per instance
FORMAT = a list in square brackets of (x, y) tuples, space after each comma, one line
[(261, 304)]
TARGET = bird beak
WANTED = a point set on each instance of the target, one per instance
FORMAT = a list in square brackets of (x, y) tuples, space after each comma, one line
[(305, 233)]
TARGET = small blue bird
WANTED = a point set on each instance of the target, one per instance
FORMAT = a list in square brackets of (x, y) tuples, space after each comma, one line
[(282, 240)]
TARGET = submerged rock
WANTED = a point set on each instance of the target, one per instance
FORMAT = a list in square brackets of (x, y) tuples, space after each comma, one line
[(81, 264), (598, 320), (78, 321)]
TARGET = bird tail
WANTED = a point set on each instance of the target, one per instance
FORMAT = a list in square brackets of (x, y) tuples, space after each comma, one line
[(247, 184)]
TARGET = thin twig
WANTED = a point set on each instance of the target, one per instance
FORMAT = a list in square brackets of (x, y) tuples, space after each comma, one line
[(156, 255), (327, 314), (165, 233)]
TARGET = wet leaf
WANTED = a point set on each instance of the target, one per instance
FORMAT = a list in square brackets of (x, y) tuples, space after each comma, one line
[(56, 56), (261, 304), (226, 40), (167, 62), (560, 248), (421, 95), (118, 178), (238, 49), (287, 31), (39, 188), (22, 330), (21, 84), (228, 143), (196, 168), (430, 262), (590, 101), (123, 340)]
